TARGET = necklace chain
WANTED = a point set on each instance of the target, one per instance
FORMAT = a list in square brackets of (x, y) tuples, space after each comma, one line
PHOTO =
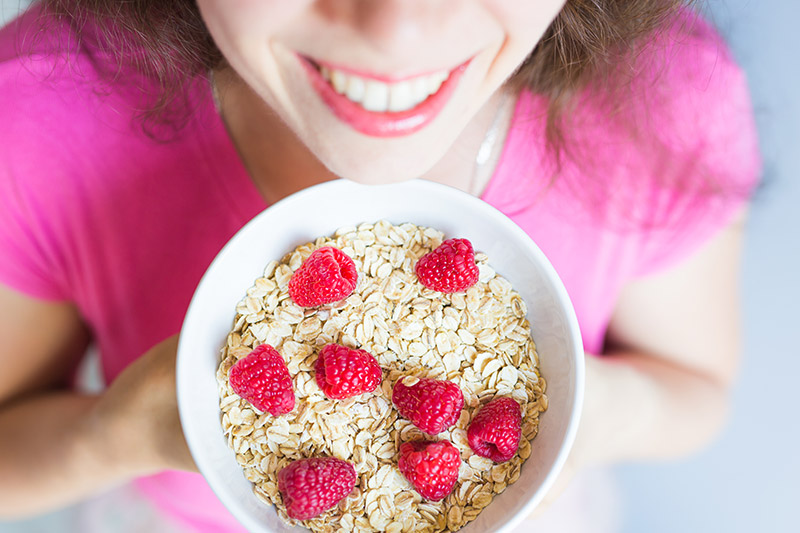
[(488, 146), (212, 81)]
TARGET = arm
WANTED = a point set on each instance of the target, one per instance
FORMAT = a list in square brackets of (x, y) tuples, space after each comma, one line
[(661, 389), (58, 446), (673, 350)]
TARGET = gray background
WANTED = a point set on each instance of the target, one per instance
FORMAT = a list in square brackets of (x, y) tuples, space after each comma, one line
[(750, 479)]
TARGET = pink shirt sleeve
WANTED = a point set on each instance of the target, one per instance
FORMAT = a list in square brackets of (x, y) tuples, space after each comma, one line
[(29, 261), (29, 257)]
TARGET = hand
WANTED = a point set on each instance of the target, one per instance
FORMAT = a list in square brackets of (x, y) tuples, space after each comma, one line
[(585, 450), (139, 415)]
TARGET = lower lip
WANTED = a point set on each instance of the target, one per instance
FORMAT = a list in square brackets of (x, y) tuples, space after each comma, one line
[(384, 124)]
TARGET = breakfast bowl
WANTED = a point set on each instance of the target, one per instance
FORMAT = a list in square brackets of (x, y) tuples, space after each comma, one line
[(321, 211)]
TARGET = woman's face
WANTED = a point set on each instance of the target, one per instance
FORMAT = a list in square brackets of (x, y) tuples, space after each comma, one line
[(378, 90)]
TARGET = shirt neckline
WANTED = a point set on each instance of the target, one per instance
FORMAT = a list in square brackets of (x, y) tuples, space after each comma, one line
[(513, 186), (222, 157)]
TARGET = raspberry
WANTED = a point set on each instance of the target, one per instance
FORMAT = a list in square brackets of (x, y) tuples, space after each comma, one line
[(261, 378), (310, 487), (327, 276), (432, 405), (432, 467), (342, 372), (449, 268), (495, 430)]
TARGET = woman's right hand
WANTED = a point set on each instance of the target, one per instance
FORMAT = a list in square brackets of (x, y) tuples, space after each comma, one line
[(138, 415)]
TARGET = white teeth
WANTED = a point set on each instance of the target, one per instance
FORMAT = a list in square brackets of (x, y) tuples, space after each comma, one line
[(419, 89), (380, 97), (376, 97), (355, 88), (400, 98), (434, 82), (338, 81)]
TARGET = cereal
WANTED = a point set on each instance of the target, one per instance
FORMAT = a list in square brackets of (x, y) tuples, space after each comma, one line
[(479, 339)]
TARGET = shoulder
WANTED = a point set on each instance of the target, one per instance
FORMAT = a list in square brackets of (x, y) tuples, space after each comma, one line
[(52, 94), (672, 156), (74, 158), (39, 57), (680, 120), (699, 160), (48, 134), (68, 110), (699, 115), (57, 74), (692, 83)]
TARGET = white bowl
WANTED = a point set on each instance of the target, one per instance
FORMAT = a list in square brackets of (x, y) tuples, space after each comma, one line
[(320, 210)]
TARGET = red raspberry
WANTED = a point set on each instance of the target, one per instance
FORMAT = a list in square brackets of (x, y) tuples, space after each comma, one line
[(327, 276), (432, 405), (310, 487), (342, 372), (432, 467), (261, 378), (495, 430), (449, 268)]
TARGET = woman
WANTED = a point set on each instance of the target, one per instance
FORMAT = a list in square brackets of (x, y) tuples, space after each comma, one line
[(140, 137)]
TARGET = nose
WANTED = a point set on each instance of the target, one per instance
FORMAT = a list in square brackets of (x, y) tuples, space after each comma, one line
[(390, 26)]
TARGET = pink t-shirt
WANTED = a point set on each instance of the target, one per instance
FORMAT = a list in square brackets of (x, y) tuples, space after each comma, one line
[(94, 211)]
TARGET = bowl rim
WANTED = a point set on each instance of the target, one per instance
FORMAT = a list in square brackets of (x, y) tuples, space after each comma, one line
[(204, 462)]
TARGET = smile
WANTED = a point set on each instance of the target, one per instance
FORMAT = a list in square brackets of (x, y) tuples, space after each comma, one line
[(382, 107), (378, 96)]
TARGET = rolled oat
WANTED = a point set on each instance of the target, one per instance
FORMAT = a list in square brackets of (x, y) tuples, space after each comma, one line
[(479, 339)]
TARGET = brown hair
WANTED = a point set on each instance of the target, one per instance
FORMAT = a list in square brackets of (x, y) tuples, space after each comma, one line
[(167, 42), (591, 41)]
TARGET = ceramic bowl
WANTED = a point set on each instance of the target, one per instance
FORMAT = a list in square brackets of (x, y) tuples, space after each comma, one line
[(319, 211)]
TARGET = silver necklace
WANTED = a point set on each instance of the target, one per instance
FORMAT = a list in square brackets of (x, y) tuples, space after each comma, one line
[(212, 81), (488, 146)]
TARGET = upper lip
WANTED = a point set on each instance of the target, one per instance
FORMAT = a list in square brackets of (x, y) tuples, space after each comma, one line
[(370, 74)]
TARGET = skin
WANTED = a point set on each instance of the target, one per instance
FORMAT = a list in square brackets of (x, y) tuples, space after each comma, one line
[(665, 362), (271, 109)]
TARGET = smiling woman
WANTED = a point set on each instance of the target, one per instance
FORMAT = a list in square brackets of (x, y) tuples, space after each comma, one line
[(140, 136)]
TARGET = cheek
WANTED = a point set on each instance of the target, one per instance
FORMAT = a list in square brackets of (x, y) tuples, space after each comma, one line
[(236, 25), (523, 25), (524, 22)]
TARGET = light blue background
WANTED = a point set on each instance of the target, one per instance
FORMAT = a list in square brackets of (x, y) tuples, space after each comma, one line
[(750, 479)]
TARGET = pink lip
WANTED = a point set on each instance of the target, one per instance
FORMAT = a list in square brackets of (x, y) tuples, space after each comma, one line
[(385, 124)]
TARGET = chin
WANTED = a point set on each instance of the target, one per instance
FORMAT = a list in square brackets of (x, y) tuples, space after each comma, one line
[(381, 170), (378, 178)]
